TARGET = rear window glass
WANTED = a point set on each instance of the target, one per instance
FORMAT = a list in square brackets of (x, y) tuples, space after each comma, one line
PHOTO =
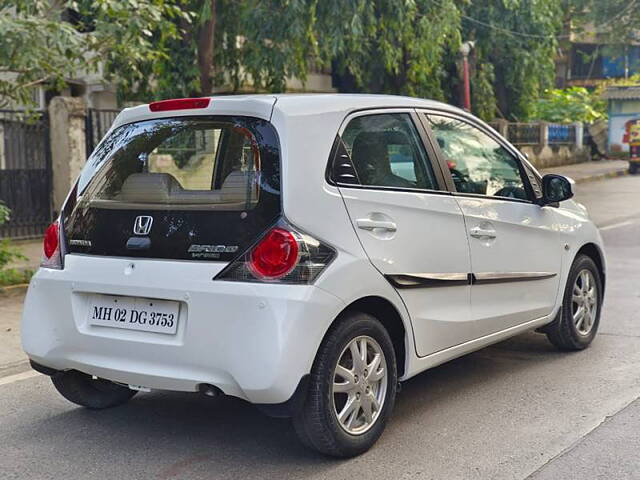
[(175, 164)]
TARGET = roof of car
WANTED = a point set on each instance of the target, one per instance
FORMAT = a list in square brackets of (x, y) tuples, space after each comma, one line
[(262, 106), (329, 102)]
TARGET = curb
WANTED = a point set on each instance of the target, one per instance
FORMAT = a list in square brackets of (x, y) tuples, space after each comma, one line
[(12, 290), (602, 176)]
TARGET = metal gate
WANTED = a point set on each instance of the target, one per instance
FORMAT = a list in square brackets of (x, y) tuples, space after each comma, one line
[(25, 173), (97, 124)]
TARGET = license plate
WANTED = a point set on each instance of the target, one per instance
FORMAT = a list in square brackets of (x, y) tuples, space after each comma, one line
[(133, 313)]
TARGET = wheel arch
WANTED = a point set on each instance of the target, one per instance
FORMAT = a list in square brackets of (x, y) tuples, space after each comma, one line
[(594, 252), (386, 312)]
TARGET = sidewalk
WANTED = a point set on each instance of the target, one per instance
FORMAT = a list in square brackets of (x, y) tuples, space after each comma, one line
[(12, 358), (591, 171), (32, 249)]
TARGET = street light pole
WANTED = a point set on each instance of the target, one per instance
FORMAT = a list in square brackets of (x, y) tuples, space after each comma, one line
[(465, 49)]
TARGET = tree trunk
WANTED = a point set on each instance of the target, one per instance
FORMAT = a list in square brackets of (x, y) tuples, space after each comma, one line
[(205, 40), (502, 95)]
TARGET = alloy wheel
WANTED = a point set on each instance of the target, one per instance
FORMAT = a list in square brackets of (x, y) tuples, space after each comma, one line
[(359, 385), (584, 302)]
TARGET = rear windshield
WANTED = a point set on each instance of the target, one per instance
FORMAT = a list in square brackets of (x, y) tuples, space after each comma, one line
[(205, 181), (175, 164)]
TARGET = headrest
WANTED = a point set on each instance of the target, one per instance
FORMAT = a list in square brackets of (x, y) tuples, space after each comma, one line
[(149, 188)]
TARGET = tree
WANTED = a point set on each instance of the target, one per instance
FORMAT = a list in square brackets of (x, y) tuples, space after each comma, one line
[(390, 47), (254, 43), (515, 51), (575, 104), (615, 19), (375, 46), (405, 47), (117, 37), (170, 48)]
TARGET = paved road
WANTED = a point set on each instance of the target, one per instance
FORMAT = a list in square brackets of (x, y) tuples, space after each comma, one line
[(516, 410)]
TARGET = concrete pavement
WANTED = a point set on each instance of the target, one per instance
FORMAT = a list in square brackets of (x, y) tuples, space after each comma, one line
[(514, 410), (608, 452)]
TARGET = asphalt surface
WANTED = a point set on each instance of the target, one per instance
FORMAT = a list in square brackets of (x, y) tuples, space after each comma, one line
[(517, 410)]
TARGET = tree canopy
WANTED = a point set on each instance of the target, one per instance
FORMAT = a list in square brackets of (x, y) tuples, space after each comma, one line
[(116, 37), (170, 48)]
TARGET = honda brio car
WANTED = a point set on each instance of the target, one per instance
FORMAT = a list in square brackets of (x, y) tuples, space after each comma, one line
[(305, 253)]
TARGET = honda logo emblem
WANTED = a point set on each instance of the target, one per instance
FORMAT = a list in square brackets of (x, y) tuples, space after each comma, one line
[(142, 225)]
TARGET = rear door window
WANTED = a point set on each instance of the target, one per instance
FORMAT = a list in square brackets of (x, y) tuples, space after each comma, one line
[(386, 151), (211, 184)]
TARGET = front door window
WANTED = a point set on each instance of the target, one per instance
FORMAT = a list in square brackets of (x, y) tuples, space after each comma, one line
[(478, 163)]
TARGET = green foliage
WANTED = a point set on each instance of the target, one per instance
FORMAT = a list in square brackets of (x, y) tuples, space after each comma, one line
[(380, 46), (155, 48), (13, 276), (8, 254), (616, 20), (517, 38), (113, 36), (575, 104), (390, 47), (4, 213), (483, 98)]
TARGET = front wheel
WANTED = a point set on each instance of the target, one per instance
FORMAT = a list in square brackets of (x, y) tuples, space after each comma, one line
[(352, 388), (578, 320)]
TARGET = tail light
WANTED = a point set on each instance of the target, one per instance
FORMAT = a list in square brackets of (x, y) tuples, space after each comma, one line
[(282, 255), (52, 257), (275, 255)]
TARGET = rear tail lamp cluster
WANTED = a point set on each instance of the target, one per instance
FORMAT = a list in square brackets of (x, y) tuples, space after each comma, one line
[(283, 255), (52, 257)]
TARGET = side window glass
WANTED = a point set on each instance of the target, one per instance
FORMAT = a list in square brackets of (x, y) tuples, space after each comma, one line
[(478, 164), (386, 151)]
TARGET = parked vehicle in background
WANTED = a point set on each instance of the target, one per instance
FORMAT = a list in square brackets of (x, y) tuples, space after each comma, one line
[(305, 253)]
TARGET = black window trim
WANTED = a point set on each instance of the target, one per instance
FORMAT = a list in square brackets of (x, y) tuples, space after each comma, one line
[(492, 134), (431, 154)]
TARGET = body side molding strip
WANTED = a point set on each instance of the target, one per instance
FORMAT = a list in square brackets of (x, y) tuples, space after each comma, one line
[(424, 280), (418, 280), (504, 277)]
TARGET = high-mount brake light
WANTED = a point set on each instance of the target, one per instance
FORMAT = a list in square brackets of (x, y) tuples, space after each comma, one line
[(179, 104), (283, 255), (51, 247)]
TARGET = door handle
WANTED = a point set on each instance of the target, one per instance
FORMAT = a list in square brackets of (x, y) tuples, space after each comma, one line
[(477, 232), (369, 224)]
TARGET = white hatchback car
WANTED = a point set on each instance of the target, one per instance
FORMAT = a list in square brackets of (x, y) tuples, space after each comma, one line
[(305, 253)]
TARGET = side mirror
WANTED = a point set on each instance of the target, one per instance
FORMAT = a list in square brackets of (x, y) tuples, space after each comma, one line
[(555, 188)]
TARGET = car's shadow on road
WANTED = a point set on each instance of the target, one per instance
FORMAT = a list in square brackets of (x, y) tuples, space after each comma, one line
[(192, 436)]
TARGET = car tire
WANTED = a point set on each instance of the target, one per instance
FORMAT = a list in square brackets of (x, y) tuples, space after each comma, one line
[(571, 329), (318, 423), (84, 390)]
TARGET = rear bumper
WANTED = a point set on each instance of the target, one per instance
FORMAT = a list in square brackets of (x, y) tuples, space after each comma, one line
[(253, 341)]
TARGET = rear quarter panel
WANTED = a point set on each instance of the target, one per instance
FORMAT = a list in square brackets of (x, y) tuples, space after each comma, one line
[(315, 206)]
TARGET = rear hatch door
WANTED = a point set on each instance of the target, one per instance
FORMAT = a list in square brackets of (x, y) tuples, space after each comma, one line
[(182, 188)]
